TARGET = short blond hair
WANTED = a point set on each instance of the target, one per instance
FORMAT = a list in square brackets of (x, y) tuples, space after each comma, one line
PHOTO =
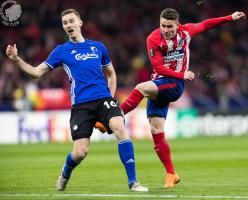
[(69, 11)]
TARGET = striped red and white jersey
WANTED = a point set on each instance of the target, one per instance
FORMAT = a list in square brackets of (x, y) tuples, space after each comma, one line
[(170, 58)]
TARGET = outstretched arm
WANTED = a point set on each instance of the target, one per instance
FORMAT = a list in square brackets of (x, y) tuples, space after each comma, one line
[(34, 72), (194, 29)]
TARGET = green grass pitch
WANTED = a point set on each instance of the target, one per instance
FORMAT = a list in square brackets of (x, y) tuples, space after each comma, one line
[(209, 168)]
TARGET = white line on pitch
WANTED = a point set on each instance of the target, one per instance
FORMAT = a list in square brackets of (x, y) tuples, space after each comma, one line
[(124, 195)]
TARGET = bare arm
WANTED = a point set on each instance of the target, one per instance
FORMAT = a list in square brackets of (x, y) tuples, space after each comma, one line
[(34, 72), (109, 71)]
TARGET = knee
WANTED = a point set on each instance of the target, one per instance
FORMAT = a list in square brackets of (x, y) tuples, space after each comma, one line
[(117, 126), (156, 129), (120, 133), (117, 129), (80, 152), (141, 87)]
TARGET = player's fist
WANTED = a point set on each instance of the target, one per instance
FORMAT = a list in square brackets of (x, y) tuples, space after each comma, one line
[(11, 52), (189, 75), (238, 15)]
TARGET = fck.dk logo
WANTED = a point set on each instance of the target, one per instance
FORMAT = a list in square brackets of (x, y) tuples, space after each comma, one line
[(10, 12)]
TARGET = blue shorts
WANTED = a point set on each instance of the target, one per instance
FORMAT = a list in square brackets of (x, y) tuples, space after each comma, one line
[(169, 90)]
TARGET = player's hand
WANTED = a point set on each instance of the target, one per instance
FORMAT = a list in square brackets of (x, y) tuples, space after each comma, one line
[(11, 52), (238, 15), (189, 75)]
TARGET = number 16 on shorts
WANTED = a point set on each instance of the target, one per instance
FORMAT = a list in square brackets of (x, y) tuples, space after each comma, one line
[(110, 104)]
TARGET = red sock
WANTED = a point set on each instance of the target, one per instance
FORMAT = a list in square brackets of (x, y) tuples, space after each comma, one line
[(162, 148), (132, 101)]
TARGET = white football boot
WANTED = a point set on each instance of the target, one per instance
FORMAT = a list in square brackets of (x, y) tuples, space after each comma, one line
[(61, 183), (136, 187)]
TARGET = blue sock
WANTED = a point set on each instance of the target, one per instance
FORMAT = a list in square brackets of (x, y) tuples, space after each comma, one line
[(70, 164), (126, 153)]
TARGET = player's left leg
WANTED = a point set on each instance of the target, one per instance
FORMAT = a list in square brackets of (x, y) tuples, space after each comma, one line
[(162, 148), (126, 152), (169, 89), (110, 114)]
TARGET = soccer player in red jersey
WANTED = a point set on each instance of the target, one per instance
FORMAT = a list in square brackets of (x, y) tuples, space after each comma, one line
[(168, 50)]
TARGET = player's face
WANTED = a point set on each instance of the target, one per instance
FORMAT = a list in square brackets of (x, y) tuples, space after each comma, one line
[(168, 28), (72, 25)]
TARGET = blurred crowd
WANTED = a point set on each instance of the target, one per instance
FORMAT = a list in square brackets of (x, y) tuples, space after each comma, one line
[(218, 57)]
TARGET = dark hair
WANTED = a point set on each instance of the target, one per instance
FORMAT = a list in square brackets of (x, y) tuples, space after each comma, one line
[(69, 11), (170, 14)]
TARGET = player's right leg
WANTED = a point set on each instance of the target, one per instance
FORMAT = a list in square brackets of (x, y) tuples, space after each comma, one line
[(81, 123), (73, 159), (145, 89)]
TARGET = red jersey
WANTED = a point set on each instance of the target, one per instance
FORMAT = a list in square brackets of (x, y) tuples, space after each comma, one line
[(170, 58)]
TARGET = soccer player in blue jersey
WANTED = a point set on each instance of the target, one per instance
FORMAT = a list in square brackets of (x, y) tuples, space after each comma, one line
[(87, 63)]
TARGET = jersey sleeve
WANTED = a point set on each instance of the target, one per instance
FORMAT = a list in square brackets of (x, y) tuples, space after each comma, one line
[(105, 56), (54, 58), (194, 29), (156, 59)]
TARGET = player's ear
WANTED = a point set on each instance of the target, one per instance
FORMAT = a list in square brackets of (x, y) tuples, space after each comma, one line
[(81, 22), (178, 23)]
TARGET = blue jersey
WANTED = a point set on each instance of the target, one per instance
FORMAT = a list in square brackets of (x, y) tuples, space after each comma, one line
[(83, 64)]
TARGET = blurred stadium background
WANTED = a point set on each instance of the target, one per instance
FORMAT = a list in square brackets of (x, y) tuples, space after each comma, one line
[(38, 111), (215, 103)]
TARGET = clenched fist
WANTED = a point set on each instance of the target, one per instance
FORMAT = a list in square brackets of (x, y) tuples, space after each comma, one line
[(238, 15), (11, 52), (189, 75)]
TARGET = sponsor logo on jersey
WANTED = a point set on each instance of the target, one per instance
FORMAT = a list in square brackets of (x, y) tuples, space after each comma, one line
[(86, 56), (173, 55)]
